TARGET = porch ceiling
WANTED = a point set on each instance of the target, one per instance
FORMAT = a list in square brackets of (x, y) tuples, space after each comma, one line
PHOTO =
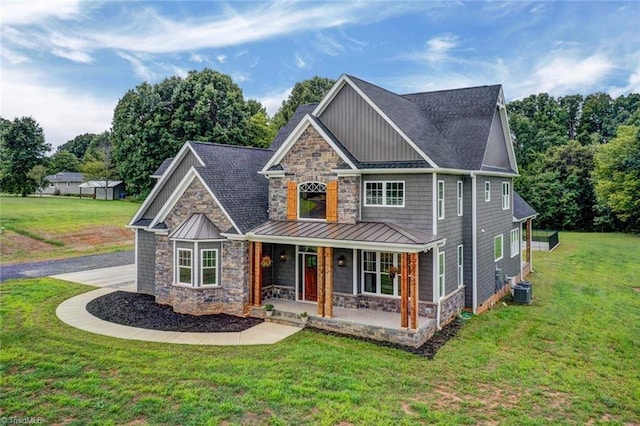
[(364, 235)]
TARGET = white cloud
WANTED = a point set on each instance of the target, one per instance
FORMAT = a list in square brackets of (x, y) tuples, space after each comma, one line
[(221, 58), (564, 73), (62, 113), (73, 55), (196, 58), (300, 63), (272, 101), (141, 70), (17, 12), (328, 45), (13, 58), (241, 77)]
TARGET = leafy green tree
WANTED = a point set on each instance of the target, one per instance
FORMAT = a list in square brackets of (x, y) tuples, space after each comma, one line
[(152, 122), (597, 122), (558, 185), (617, 176), (78, 145), (63, 161), (99, 163), (38, 174), (22, 147), (260, 131), (304, 92)]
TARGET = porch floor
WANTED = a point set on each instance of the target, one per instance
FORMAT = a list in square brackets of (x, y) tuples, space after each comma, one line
[(388, 320)]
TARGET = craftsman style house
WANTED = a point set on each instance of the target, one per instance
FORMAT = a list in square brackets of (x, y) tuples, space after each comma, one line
[(398, 206)]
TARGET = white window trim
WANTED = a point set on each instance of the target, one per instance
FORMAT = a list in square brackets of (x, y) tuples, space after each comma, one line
[(459, 197), (501, 248), (515, 242), (309, 219), (379, 272), (384, 193), (177, 265), (202, 268), (460, 252), (506, 198), (487, 191), (441, 205), (442, 283)]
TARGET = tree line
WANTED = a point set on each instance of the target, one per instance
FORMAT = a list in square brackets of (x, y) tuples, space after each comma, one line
[(579, 157)]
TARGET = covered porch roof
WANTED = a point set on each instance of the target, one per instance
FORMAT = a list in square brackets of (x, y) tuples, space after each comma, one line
[(361, 235)]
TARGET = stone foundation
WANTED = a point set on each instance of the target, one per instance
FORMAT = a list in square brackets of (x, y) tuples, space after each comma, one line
[(385, 304), (451, 306), (278, 292)]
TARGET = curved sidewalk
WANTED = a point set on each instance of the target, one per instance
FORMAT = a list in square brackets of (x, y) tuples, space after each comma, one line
[(74, 313)]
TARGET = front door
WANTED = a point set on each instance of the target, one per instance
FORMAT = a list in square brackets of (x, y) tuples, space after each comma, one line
[(310, 276)]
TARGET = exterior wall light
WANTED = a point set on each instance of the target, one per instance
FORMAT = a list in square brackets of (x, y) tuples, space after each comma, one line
[(283, 256), (342, 260)]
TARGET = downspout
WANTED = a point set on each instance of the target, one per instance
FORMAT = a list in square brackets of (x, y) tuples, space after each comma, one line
[(434, 212), (474, 243)]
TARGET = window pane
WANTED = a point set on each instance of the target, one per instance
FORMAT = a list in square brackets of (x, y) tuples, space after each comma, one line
[(209, 276), (374, 193), (370, 282), (395, 193), (184, 275), (386, 284), (313, 205), (369, 261)]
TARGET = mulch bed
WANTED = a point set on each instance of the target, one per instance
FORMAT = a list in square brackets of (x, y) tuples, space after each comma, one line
[(428, 349), (142, 311)]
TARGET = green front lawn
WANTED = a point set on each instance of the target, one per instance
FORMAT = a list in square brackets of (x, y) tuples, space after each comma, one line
[(571, 357), (36, 228)]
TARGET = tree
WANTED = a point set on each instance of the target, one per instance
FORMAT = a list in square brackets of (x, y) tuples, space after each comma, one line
[(22, 147), (260, 131), (63, 161), (78, 145), (558, 185), (304, 92), (151, 122), (38, 174), (617, 176), (99, 164), (597, 122)]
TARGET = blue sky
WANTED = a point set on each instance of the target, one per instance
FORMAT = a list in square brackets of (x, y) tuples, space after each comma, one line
[(67, 62)]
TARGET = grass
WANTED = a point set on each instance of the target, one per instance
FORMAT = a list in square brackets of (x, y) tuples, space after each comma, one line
[(569, 358), (38, 228)]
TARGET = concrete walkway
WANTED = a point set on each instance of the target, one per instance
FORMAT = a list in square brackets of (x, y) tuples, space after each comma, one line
[(74, 313)]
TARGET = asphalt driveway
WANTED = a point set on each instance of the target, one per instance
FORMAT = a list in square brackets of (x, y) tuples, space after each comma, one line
[(65, 266)]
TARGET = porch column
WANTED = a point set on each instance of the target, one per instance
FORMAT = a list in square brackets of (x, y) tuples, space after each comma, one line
[(404, 291), (528, 245), (413, 283), (320, 280), (257, 274), (251, 273), (328, 282)]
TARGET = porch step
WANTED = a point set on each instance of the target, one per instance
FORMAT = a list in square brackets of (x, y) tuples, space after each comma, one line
[(286, 318)]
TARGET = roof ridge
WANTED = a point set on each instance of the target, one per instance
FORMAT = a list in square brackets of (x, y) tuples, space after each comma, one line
[(255, 148), (450, 90)]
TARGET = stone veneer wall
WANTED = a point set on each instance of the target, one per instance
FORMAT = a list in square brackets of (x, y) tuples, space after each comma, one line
[(311, 158), (278, 292), (231, 296), (451, 306)]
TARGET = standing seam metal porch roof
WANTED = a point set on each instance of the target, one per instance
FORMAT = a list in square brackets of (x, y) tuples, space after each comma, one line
[(361, 232)]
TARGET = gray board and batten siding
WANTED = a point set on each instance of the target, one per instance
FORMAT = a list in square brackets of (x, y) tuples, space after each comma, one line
[(170, 185), (363, 131), (146, 262)]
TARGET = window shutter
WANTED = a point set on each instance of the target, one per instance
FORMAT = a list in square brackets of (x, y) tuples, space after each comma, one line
[(292, 200), (332, 201)]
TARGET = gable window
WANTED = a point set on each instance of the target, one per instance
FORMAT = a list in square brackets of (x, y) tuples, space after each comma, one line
[(185, 266), (209, 267), (377, 271), (459, 197), (460, 265), (312, 202), (487, 191), (441, 271), (440, 199), (506, 196), (390, 193), (515, 241), (497, 247)]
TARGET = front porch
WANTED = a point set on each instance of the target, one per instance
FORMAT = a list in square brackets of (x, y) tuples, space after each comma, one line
[(377, 325)]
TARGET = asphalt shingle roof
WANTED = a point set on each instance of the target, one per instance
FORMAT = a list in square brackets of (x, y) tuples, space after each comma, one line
[(291, 124), (66, 177), (522, 209), (231, 172), (162, 168)]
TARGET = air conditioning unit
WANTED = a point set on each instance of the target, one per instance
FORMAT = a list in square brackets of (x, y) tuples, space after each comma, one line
[(522, 294)]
